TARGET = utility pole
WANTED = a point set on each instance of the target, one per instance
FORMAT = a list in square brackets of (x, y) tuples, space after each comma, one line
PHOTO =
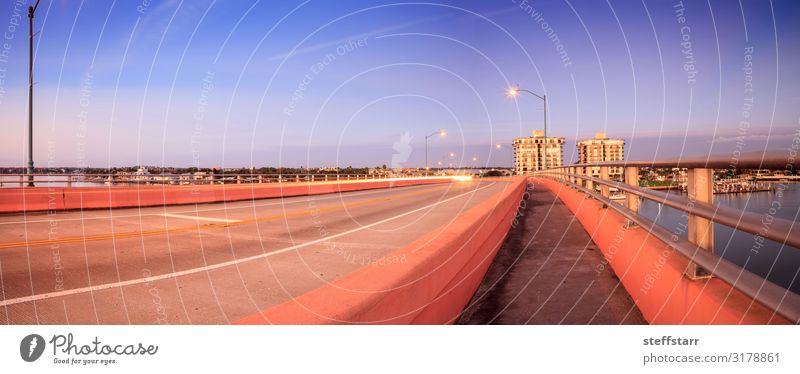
[(31, 11)]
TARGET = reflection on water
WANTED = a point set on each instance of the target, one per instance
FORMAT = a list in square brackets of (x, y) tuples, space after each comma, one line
[(778, 263)]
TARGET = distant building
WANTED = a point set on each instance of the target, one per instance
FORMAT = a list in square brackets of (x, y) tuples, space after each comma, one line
[(529, 153), (600, 149)]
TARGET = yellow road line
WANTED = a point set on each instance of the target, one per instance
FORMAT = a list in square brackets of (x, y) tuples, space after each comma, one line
[(197, 218), (179, 230)]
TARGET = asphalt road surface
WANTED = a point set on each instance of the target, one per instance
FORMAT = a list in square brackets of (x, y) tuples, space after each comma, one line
[(208, 263)]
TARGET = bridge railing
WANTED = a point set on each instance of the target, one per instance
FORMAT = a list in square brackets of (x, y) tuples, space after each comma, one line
[(74, 179), (702, 214)]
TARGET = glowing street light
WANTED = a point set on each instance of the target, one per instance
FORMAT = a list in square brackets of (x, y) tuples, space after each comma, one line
[(513, 92), (441, 133), (500, 146)]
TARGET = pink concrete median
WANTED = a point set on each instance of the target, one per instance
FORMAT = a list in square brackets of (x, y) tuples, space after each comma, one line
[(442, 272), (38, 199), (652, 272)]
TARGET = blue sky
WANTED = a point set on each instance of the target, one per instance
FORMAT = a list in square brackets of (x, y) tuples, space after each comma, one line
[(323, 83)]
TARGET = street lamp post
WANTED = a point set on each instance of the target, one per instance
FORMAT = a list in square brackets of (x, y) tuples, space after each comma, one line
[(31, 11), (441, 133), (513, 92)]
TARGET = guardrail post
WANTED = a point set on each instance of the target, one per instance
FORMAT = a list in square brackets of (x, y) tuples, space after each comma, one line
[(571, 171), (604, 176), (700, 188), (575, 178), (632, 179), (588, 173)]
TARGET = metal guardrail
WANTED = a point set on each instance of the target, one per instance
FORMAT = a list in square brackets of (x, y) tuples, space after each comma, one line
[(23, 180), (759, 160), (702, 214)]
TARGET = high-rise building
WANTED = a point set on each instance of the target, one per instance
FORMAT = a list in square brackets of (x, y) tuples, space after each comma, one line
[(529, 153), (600, 149)]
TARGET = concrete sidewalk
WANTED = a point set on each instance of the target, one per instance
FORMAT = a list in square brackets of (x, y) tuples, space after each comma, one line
[(550, 272)]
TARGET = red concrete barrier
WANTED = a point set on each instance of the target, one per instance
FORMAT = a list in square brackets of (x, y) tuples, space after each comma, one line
[(37, 199), (652, 272), (443, 271)]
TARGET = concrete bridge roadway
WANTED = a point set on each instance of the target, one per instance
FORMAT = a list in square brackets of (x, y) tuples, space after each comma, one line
[(208, 263), (549, 271)]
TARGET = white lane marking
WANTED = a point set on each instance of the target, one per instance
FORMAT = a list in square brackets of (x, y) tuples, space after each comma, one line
[(230, 205), (226, 263), (198, 218)]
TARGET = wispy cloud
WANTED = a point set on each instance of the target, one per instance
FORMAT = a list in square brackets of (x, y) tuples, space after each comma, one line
[(742, 138), (498, 12), (334, 43), (173, 16)]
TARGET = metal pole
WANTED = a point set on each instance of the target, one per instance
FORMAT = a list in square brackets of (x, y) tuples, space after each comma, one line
[(544, 98), (515, 91), (426, 153), (31, 10)]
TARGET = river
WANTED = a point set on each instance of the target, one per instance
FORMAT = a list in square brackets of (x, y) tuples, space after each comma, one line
[(778, 263)]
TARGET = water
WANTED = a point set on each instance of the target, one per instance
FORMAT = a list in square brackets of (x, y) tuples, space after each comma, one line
[(774, 261)]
